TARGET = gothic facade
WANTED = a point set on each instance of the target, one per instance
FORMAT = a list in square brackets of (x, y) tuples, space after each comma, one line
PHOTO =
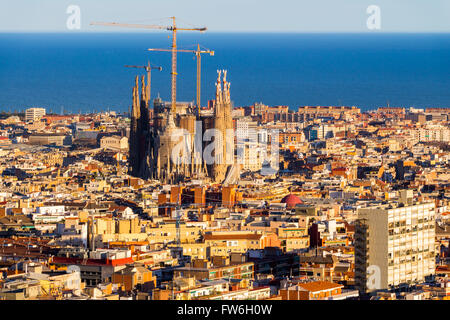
[(169, 145)]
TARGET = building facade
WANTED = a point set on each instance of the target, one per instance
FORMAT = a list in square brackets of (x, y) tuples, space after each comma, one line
[(169, 145), (394, 245), (33, 114)]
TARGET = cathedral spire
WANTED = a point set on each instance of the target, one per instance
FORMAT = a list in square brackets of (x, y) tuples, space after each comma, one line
[(148, 83), (144, 89), (226, 87), (136, 105), (218, 87), (135, 108)]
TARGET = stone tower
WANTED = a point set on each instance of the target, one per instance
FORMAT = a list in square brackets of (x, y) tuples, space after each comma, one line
[(140, 131), (223, 123), (134, 132), (153, 140)]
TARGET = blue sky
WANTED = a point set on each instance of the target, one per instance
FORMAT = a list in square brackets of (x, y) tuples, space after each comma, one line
[(230, 15)]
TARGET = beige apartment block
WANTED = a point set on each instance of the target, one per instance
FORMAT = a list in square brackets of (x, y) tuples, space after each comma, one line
[(394, 245), (114, 143), (33, 114)]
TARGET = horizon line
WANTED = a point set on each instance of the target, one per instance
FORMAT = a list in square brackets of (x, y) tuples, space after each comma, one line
[(221, 31)]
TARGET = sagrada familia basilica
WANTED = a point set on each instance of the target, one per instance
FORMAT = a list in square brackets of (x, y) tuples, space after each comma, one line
[(186, 142)]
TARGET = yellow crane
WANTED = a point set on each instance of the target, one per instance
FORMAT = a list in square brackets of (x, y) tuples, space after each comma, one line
[(147, 68), (198, 53), (174, 30)]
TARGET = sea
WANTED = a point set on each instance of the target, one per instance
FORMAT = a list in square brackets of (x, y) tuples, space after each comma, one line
[(85, 72)]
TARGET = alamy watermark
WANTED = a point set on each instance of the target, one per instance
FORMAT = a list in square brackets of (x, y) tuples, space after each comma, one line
[(374, 277), (73, 22), (374, 20)]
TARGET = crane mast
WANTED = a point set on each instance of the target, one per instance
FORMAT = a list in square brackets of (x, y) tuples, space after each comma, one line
[(173, 28), (199, 73), (198, 52), (174, 67), (147, 68)]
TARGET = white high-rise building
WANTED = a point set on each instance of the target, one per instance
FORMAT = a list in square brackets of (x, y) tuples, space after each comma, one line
[(394, 245), (246, 130), (250, 144), (33, 114)]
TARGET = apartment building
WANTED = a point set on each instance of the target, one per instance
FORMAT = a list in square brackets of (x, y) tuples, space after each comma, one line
[(394, 245), (250, 144), (114, 143), (292, 238), (132, 275), (311, 112), (33, 114), (317, 290), (224, 243), (46, 138), (216, 269), (437, 133)]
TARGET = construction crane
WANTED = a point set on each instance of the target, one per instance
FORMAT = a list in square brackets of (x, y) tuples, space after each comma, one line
[(174, 30), (147, 68), (198, 54)]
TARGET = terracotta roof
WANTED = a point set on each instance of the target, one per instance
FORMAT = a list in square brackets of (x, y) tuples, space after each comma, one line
[(319, 286), (117, 208)]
